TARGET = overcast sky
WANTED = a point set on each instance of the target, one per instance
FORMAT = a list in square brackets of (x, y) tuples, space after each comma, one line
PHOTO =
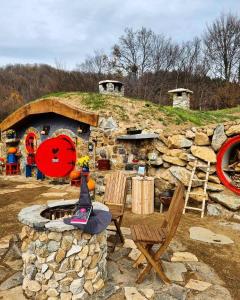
[(66, 31)]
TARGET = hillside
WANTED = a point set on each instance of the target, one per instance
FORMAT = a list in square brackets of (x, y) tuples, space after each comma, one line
[(143, 113)]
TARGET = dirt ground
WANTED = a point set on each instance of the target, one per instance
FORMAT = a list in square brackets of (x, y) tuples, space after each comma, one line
[(224, 259)]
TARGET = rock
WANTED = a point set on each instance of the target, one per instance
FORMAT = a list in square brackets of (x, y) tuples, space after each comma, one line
[(60, 255), (81, 273), (77, 286), (51, 257), (58, 226), (67, 242), (108, 123), (48, 274), (56, 236), (59, 276), (233, 130), (179, 141), (202, 166), (199, 196), (31, 216), (87, 261), (44, 268), (95, 260), (75, 249), (65, 284), (183, 256), (78, 265), (64, 265), (215, 187), (214, 292), (227, 199), (211, 178), (201, 139), (67, 296), (183, 175), (81, 296), (189, 134), (204, 153), (131, 293), (207, 236), (174, 270), (84, 252), (174, 160), (148, 293), (52, 293), (162, 149), (214, 209), (31, 271), (134, 254), (91, 273), (219, 137), (32, 285), (187, 156), (13, 281), (88, 287), (98, 285), (128, 243)]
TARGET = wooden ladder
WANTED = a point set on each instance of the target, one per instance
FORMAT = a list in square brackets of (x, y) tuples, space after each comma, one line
[(205, 183)]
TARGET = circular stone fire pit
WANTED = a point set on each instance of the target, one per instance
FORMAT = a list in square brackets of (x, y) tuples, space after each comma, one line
[(59, 259)]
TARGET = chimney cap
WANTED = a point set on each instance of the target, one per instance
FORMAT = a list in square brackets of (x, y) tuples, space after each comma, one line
[(181, 90), (112, 81)]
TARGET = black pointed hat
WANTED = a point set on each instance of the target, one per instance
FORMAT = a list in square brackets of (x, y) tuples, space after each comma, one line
[(98, 220)]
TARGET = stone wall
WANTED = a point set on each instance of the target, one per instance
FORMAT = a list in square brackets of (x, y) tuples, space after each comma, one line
[(175, 157), (69, 264)]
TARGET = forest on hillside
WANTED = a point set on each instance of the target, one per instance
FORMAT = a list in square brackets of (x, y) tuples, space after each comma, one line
[(148, 63)]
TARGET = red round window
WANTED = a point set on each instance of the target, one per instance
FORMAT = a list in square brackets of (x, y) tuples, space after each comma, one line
[(228, 170)]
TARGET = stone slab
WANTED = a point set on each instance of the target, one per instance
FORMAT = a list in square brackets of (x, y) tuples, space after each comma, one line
[(58, 226), (31, 216), (197, 285), (174, 270), (208, 236), (183, 256)]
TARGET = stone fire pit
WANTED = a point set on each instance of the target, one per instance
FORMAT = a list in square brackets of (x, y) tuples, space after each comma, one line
[(58, 259)]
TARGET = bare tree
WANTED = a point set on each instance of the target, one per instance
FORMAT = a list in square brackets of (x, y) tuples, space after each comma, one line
[(133, 53), (98, 63), (222, 46)]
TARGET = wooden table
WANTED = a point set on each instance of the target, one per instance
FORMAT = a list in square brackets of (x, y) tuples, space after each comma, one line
[(142, 195)]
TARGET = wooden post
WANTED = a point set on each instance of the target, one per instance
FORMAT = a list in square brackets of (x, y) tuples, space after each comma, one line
[(143, 195)]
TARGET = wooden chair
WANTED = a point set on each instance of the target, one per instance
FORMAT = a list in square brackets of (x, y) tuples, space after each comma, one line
[(146, 236), (115, 199)]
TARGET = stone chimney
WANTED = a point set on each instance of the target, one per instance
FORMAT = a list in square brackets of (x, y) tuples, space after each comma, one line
[(181, 97), (111, 87)]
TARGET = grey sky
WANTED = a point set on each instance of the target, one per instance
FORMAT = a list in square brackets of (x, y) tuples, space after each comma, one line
[(46, 31)]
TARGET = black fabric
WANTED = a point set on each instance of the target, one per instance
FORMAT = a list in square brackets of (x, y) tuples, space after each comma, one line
[(98, 221)]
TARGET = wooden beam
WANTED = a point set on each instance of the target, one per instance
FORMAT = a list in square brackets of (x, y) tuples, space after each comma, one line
[(48, 106)]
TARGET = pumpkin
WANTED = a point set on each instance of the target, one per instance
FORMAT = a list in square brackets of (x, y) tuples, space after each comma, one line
[(91, 184), (12, 150), (75, 174)]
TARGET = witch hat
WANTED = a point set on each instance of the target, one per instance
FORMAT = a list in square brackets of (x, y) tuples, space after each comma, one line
[(98, 220), (84, 198)]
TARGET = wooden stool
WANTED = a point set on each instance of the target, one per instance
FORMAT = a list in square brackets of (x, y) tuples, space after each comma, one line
[(12, 169)]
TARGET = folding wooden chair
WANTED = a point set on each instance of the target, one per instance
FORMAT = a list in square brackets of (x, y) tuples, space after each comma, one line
[(115, 199), (146, 236)]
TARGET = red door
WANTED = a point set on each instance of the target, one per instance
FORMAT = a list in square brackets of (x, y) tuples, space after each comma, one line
[(56, 157), (31, 142)]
